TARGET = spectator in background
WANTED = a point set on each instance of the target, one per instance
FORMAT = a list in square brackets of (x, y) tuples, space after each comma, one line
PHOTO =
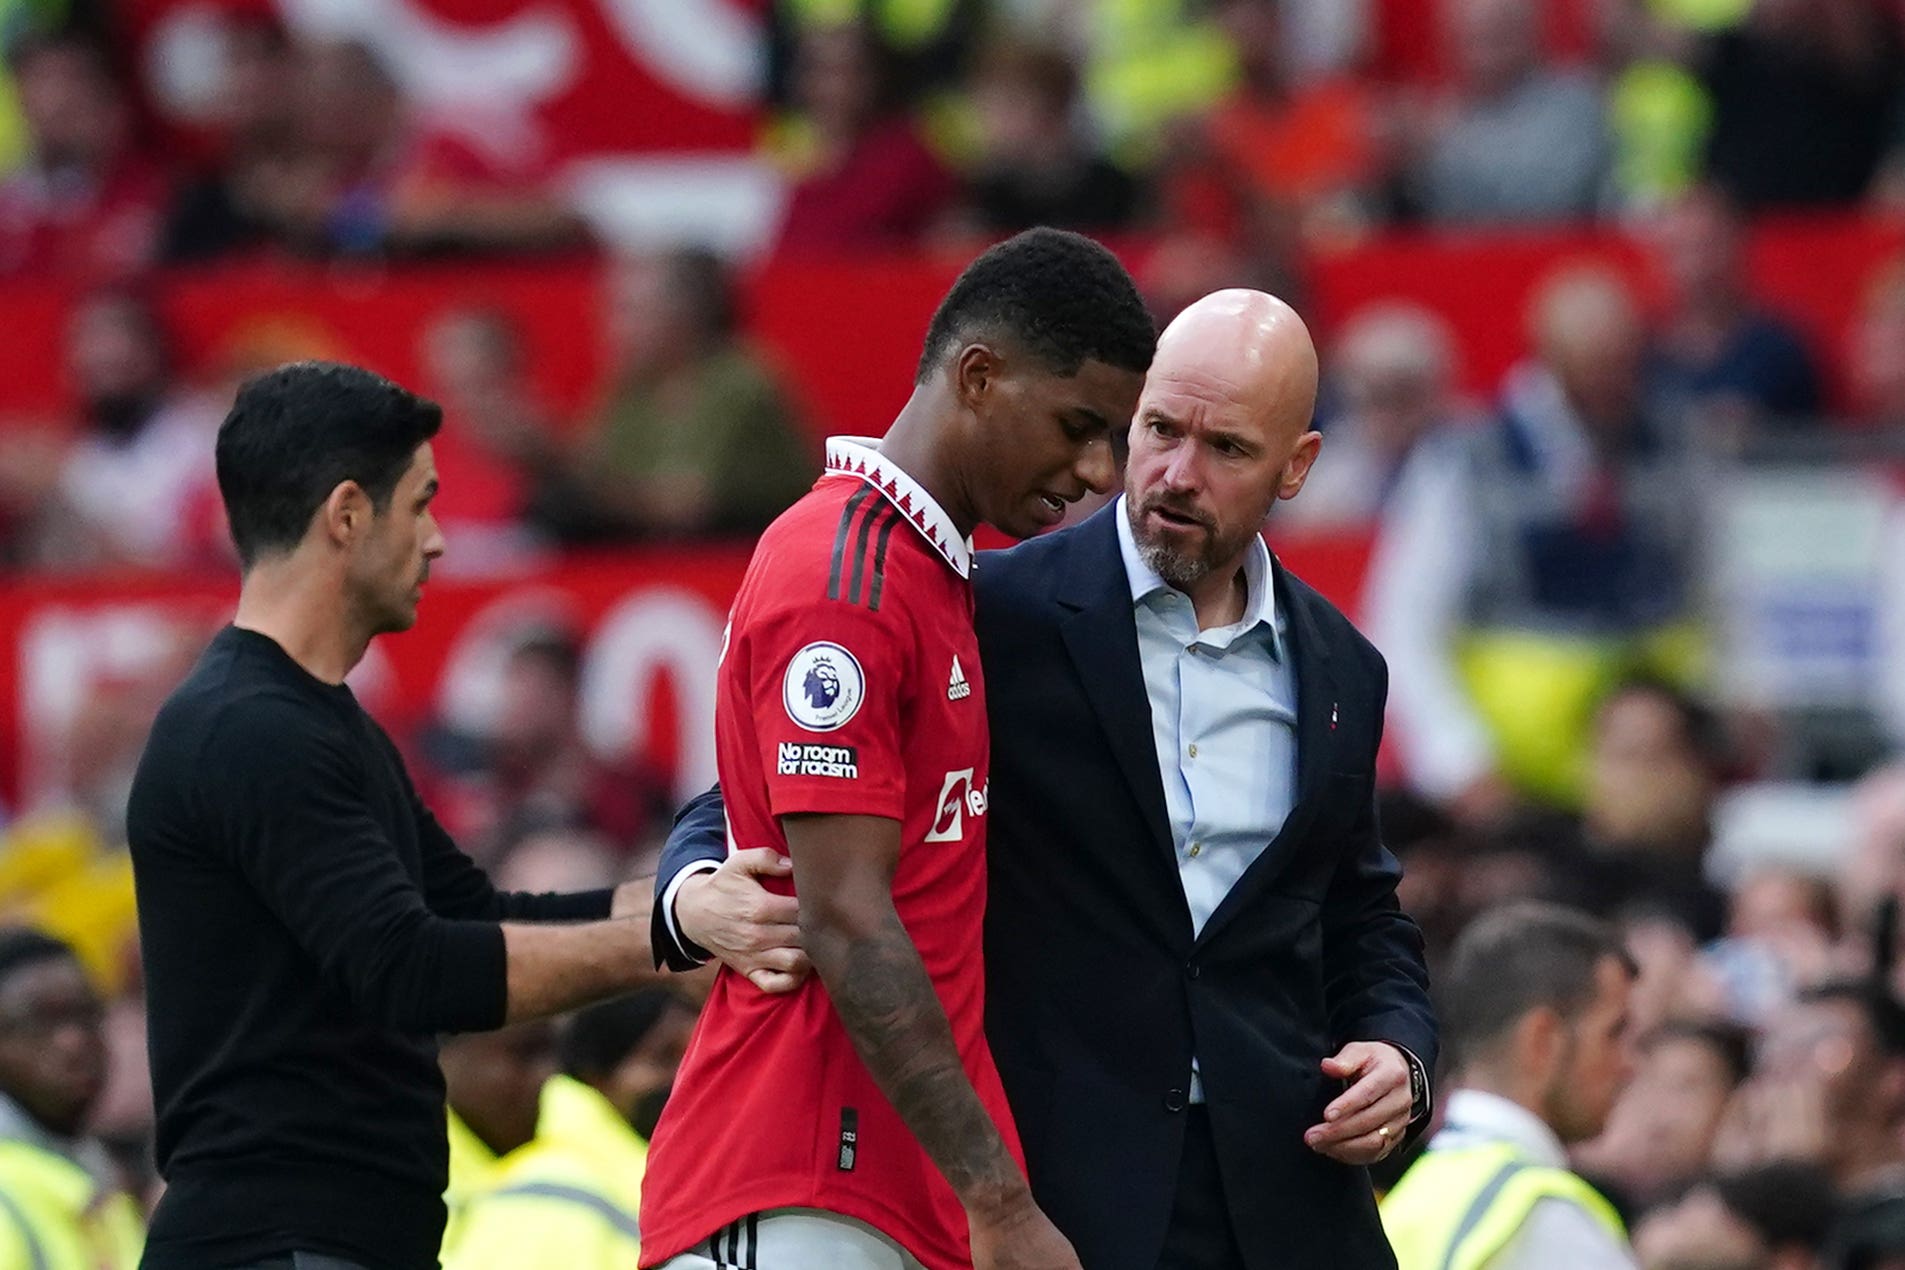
[(1803, 96), (538, 773), (370, 179), (1829, 1089), (1659, 1137), (135, 488), (571, 1199), (498, 444), (238, 202), (1520, 140), (1714, 347), (1035, 166), (85, 203), (1394, 393), (1535, 1006), (1877, 354), (493, 1085), (1775, 1217), (1522, 574), (865, 179), (61, 1203), (928, 45), (1656, 760), (696, 436), (1310, 143)]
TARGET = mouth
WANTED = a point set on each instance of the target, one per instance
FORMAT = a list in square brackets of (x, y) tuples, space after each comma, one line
[(1176, 519)]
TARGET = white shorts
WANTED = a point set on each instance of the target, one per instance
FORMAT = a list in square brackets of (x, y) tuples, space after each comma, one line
[(796, 1239)]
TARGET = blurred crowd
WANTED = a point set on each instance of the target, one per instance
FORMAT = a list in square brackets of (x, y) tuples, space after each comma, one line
[(1245, 127)]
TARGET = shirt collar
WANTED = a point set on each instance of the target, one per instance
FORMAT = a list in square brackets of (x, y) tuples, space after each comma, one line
[(861, 457), (1475, 1116), (1260, 597)]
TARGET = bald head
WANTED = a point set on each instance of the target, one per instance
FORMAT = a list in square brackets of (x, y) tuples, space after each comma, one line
[(1587, 327), (1222, 432), (1251, 344)]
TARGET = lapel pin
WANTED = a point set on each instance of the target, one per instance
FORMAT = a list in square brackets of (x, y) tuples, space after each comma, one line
[(1332, 716)]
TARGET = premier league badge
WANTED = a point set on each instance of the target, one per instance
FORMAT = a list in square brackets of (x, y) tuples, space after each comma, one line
[(823, 688)]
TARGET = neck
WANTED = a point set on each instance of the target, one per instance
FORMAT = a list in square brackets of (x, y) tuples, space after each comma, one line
[(1486, 1079), (1219, 597), (919, 442), (314, 626)]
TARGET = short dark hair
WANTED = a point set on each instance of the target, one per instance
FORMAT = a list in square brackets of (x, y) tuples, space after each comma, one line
[(1058, 295), (600, 1037), (296, 433), (1732, 1044), (1700, 724), (1882, 1010), (1519, 958), (22, 946), (702, 281), (1786, 1201)]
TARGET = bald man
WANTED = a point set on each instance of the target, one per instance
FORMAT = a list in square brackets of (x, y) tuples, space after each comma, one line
[(1208, 1010)]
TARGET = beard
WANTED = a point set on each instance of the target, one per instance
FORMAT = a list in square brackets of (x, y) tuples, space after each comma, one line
[(1180, 569)]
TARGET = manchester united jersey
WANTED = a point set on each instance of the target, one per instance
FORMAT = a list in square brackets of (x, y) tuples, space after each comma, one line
[(849, 684)]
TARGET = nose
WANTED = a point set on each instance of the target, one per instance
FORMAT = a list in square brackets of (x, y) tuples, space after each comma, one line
[(434, 545), (1181, 471), (1098, 467)]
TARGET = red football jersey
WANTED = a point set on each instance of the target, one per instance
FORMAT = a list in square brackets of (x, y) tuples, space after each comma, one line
[(850, 684)]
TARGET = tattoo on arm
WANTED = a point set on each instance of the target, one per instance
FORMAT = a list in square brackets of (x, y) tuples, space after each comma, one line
[(886, 1000)]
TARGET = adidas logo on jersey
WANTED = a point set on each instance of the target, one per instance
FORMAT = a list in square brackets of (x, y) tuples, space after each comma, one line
[(957, 689)]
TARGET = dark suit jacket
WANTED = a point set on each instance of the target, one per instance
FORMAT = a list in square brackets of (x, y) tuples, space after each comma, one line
[(1098, 993)]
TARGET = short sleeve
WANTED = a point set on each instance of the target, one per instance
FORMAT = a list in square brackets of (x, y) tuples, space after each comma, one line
[(829, 684)]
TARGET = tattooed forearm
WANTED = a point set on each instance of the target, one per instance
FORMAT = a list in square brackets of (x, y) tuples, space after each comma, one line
[(886, 1000)]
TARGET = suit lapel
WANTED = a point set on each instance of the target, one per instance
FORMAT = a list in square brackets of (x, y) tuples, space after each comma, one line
[(1316, 707), (1102, 638)]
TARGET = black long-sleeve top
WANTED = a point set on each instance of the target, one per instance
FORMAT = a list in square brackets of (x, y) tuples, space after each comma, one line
[(308, 930)]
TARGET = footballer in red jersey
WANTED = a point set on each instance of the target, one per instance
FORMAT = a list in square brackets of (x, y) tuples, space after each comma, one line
[(859, 1120)]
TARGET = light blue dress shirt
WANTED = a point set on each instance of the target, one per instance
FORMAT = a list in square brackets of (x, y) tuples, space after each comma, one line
[(1223, 719)]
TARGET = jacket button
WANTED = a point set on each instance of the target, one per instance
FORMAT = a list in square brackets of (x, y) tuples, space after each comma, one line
[(1192, 969), (1174, 1100)]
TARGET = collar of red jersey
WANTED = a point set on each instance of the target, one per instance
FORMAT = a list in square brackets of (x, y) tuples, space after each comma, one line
[(861, 457)]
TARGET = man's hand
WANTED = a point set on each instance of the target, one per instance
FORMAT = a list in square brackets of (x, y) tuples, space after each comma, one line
[(748, 928), (1019, 1237), (1378, 1099)]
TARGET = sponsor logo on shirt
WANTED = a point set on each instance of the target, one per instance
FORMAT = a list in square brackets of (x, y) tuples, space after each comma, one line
[(957, 798), (823, 687), (957, 689), (840, 761)]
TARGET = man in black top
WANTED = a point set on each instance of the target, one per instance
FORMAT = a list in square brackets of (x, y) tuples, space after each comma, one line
[(308, 927)]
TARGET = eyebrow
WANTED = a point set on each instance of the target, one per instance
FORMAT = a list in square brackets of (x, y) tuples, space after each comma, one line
[(1091, 417)]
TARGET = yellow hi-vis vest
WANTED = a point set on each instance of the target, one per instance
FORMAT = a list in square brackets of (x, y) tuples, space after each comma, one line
[(54, 1216), (569, 1200), (1455, 1209)]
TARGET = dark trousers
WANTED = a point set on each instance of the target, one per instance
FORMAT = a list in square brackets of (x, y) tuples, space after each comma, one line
[(301, 1261), (1200, 1237)]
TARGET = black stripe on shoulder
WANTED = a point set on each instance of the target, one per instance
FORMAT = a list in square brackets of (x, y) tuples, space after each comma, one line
[(879, 561), (840, 538), (860, 547)]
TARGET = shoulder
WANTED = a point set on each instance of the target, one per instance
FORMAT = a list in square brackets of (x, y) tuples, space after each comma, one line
[(844, 557), (1331, 625), (1032, 566), (270, 736)]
